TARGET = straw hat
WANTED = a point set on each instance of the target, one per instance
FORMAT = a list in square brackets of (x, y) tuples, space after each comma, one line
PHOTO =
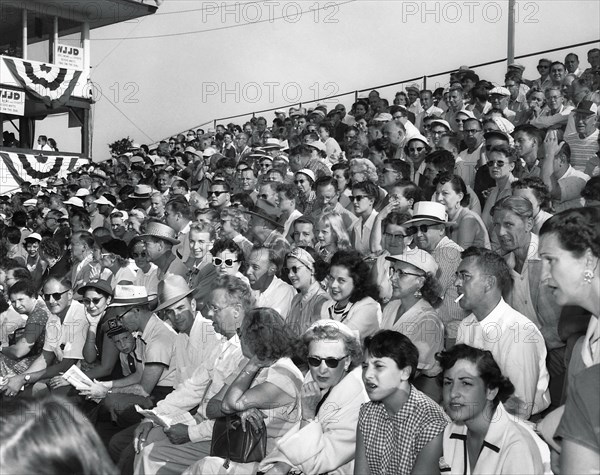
[(418, 258), (129, 295), (161, 231), (172, 289)]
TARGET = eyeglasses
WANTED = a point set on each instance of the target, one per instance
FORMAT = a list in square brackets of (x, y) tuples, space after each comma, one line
[(217, 261), (136, 255), (471, 131), (399, 273), (496, 163), (331, 362), (416, 149), (294, 269), (216, 193), (95, 301), (354, 198), (394, 237), (56, 296), (415, 229)]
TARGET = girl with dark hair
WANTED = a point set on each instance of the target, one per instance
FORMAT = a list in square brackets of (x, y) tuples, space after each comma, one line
[(228, 258), (465, 227), (401, 429), (353, 295), (483, 438), (306, 270), (416, 293)]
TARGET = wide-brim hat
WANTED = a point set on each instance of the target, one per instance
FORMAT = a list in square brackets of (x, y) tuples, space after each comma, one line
[(267, 211), (161, 231), (441, 122), (418, 258), (141, 192), (99, 173), (587, 107), (104, 201), (320, 146), (129, 295), (428, 211), (172, 289), (272, 144), (101, 285), (30, 202), (413, 87)]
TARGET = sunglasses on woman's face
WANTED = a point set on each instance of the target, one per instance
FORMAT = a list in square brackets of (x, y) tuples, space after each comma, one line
[(217, 261), (294, 269), (95, 301), (137, 255), (496, 163), (331, 362), (356, 198)]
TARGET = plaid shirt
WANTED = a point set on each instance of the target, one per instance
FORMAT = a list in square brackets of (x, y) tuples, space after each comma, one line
[(392, 444)]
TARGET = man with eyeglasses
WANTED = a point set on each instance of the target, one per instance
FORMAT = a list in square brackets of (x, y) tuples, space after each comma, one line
[(268, 289), (219, 195), (66, 331), (428, 228), (469, 158), (171, 452)]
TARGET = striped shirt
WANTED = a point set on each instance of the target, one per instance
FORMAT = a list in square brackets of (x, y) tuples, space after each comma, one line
[(583, 152)]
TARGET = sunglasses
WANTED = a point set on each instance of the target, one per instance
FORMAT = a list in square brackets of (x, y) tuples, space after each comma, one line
[(135, 255), (95, 301), (56, 296), (331, 362), (496, 163), (417, 149), (354, 198), (415, 229), (294, 269), (216, 193), (217, 261)]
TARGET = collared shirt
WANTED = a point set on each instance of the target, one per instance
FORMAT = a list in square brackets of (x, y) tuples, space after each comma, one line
[(306, 308), (467, 166), (583, 152), (447, 255), (191, 350), (361, 233), (509, 447), (209, 377), (393, 443), (422, 325), (68, 335), (158, 340), (278, 296), (519, 349)]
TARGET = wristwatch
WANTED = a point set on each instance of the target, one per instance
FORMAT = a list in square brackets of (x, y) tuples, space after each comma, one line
[(27, 377)]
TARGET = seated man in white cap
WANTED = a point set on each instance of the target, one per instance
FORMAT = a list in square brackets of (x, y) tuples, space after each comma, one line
[(159, 240), (172, 451)]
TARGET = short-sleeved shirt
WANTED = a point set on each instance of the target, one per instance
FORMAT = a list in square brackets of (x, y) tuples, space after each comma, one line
[(68, 335), (392, 444), (158, 340)]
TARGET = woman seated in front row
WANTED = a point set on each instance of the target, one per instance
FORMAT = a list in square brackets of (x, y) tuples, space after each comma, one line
[(331, 398), (483, 438), (266, 389)]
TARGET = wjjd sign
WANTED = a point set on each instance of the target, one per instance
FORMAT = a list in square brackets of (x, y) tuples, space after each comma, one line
[(12, 102), (69, 57), (36, 167)]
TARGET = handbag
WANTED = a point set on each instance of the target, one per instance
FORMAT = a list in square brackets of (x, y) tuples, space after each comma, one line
[(231, 443)]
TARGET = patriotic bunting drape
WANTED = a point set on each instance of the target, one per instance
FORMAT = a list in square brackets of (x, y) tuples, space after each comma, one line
[(49, 83), (34, 167)]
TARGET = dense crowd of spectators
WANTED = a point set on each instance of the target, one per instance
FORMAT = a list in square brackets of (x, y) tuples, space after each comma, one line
[(409, 287)]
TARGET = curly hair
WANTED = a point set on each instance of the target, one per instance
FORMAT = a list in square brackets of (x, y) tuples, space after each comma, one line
[(432, 290), (51, 248), (538, 188), (359, 271), (394, 345), (369, 169), (488, 369), (576, 229), (267, 335), (239, 219), (335, 222), (331, 331)]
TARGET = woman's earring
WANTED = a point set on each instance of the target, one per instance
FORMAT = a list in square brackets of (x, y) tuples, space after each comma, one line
[(588, 275), (418, 294)]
